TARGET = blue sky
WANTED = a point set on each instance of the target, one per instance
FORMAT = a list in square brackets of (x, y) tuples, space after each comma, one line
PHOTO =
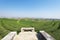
[(30, 8)]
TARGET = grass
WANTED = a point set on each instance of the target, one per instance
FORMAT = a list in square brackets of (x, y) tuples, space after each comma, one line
[(52, 26)]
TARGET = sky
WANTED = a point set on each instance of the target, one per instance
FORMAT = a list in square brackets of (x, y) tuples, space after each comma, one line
[(30, 8)]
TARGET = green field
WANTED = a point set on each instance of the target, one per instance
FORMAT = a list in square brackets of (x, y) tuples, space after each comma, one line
[(52, 26)]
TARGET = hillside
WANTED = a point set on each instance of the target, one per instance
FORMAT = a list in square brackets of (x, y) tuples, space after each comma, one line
[(52, 26)]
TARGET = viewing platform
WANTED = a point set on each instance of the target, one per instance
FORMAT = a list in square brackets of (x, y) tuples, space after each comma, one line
[(28, 34)]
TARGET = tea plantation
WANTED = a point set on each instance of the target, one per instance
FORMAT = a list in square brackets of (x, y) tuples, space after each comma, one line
[(52, 26)]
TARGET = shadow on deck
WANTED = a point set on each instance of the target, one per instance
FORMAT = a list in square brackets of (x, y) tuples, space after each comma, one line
[(40, 36)]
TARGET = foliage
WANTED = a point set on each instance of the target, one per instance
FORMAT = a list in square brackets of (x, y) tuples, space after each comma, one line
[(52, 26)]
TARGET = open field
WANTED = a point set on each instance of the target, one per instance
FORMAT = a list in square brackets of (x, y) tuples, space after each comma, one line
[(52, 26)]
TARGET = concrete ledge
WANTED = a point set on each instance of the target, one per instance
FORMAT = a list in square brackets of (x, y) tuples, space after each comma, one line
[(46, 35), (9, 36), (27, 30)]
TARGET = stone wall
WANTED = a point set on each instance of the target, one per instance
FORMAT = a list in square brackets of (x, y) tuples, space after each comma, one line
[(46, 35), (9, 36)]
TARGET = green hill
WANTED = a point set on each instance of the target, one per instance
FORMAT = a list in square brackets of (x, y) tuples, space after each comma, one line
[(52, 26)]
